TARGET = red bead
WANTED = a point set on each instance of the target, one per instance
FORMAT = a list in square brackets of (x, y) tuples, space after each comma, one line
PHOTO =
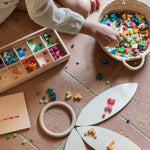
[(103, 116)]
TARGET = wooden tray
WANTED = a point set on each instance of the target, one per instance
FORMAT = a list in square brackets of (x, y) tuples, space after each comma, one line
[(44, 58)]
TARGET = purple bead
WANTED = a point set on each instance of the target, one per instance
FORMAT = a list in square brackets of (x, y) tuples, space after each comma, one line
[(1, 66), (108, 22), (145, 47), (140, 47)]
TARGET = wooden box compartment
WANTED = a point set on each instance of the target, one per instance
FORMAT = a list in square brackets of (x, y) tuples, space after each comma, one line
[(30, 56)]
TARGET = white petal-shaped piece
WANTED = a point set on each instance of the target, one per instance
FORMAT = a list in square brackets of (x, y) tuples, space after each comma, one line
[(92, 113), (104, 138), (74, 141)]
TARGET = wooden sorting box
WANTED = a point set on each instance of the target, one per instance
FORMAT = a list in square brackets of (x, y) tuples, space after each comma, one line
[(31, 55)]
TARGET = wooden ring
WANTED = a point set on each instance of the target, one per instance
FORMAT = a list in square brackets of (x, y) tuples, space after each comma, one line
[(61, 134)]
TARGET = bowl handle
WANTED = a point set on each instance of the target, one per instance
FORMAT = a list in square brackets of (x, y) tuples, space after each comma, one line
[(134, 68)]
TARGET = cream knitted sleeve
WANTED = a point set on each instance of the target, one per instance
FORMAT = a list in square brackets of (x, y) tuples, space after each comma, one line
[(46, 14)]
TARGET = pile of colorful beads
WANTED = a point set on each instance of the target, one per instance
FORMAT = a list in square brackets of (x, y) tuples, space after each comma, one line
[(133, 30), (56, 52), (30, 64), (9, 57), (48, 41)]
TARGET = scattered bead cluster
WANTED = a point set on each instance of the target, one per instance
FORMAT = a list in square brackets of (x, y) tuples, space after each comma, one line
[(47, 39), (109, 107), (30, 64), (36, 48), (133, 30), (56, 52), (21, 52), (9, 57), (51, 95), (91, 132)]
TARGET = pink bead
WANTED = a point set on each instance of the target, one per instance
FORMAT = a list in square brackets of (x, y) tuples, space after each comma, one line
[(132, 24), (125, 27), (146, 42), (55, 48), (55, 57), (51, 50), (53, 54), (109, 107), (136, 50), (126, 50)]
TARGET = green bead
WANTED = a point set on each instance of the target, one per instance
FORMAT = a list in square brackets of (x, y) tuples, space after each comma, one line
[(111, 19), (38, 47), (8, 136), (47, 45), (41, 101), (54, 41), (121, 49), (34, 51), (24, 141), (30, 42), (38, 93), (99, 76), (50, 91), (141, 43), (107, 82)]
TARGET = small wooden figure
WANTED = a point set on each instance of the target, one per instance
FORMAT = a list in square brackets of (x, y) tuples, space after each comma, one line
[(78, 97), (92, 131), (68, 95), (15, 70), (109, 147)]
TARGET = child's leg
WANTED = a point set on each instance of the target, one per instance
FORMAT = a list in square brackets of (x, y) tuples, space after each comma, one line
[(82, 7), (22, 5)]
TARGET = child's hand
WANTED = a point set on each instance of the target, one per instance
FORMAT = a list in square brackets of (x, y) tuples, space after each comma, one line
[(95, 4), (106, 36)]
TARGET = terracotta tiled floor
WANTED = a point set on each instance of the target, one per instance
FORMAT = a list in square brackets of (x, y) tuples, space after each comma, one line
[(77, 78)]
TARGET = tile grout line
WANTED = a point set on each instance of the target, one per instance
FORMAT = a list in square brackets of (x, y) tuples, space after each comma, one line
[(61, 144), (103, 89), (142, 133), (34, 146), (76, 80)]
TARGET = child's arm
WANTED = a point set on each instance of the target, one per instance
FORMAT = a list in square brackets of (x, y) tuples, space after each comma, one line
[(46, 14), (102, 33)]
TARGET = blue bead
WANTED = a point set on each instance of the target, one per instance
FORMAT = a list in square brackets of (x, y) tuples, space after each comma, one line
[(19, 49), (24, 49), (44, 97), (53, 96), (46, 101), (102, 22), (113, 15), (104, 62), (107, 47), (72, 46), (115, 50), (78, 62), (128, 120)]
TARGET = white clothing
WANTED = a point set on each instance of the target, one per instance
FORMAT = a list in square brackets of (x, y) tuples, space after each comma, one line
[(46, 14)]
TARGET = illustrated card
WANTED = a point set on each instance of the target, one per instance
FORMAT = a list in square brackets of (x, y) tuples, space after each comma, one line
[(13, 113)]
